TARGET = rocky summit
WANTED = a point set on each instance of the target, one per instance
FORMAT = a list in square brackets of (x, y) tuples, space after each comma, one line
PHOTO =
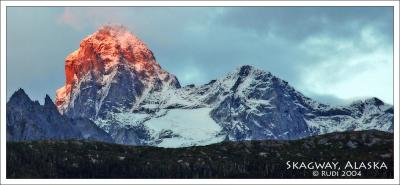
[(28, 120), (114, 81), (110, 71)]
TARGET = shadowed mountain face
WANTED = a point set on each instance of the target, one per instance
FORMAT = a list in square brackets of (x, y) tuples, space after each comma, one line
[(28, 120), (114, 81), (240, 159), (261, 106)]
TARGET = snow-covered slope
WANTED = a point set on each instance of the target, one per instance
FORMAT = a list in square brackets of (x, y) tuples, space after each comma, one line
[(360, 115), (114, 80), (184, 127)]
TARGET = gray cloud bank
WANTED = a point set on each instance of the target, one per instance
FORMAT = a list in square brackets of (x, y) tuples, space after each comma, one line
[(332, 54)]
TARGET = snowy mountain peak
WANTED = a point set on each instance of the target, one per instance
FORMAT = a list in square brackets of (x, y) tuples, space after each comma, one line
[(369, 101), (106, 48), (111, 69), (248, 71), (370, 106), (245, 69), (113, 43)]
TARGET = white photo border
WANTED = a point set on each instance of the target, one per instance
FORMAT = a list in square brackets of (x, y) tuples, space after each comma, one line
[(394, 4)]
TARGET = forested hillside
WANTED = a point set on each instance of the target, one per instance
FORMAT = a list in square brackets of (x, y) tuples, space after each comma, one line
[(252, 159)]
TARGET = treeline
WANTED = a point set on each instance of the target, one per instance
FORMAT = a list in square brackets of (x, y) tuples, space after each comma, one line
[(247, 159)]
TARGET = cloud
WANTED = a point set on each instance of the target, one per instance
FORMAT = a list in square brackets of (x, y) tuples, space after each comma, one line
[(349, 68), (328, 53), (299, 23), (88, 17), (302, 45), (70, 19)]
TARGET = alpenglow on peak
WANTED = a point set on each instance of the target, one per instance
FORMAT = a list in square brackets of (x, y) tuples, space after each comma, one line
[(109, 55)]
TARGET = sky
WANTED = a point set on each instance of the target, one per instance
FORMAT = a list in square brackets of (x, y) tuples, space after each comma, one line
[(331, 54)]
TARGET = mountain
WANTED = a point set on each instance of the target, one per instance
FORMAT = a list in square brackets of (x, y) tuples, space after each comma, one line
[(239, 159), (111, 71), (28, 120), (114, 80), (258, 105)]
